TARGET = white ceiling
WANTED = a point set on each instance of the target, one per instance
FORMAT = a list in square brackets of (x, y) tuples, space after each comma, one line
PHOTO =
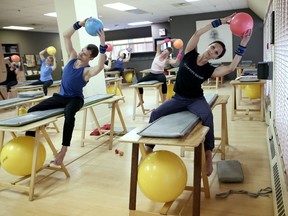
[(30, 12)]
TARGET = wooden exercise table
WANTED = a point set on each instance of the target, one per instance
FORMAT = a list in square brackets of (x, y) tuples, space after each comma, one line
[(194, 139), (114, 107), (248, 111), (159, 97), (40, 127)]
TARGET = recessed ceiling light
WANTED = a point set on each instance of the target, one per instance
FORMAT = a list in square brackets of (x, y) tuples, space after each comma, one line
[(139, 23), (18, 27), (120, 6), (52, 14)]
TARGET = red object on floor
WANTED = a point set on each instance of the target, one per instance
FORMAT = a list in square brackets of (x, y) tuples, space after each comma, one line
[(106, 127), (95, 132)]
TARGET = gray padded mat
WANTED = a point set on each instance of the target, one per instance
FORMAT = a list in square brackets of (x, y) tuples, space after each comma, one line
[(29, 86), (176, 124), (151, 82), (31, 94), (39, 115), (12, 101), (96, 98), (31, 117), (210, 98), (172, 125)]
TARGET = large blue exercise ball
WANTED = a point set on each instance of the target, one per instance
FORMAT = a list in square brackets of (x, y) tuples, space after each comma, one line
[(93, 26)]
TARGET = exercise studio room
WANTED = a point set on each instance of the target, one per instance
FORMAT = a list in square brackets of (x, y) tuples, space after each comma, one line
[(143, 108)]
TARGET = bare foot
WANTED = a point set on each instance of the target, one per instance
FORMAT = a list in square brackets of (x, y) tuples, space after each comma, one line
[(60, 157), (148, 149), (209, 163), (139, 104)]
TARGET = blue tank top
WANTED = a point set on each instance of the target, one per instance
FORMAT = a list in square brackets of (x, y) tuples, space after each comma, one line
[(119, 63), (72, 82)]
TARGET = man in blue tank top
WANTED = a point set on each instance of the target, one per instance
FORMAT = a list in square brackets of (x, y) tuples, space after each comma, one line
[(76, 75)]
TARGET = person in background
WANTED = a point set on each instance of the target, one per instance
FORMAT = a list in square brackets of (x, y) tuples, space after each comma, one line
[(76, 75), (12, 69), (119, 62), (158, 65), (48, 65), (194, 69), (108, 62)]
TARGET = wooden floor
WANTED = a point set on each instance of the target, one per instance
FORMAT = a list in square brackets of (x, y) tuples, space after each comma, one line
[(99, 182)]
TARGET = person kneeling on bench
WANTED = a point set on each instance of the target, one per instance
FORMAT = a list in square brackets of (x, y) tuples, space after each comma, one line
[(194, 69), (76, 75)]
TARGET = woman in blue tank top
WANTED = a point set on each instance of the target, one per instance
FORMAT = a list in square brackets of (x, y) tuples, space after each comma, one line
[(119, 62), (76, 75), (194, 69), (48, 65)]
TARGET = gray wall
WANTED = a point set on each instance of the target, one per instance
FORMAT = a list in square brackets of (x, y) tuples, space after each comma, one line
[(184, 26), (33, 43), (178, 27)]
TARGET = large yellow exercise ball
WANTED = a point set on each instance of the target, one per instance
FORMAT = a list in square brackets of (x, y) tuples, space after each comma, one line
[(170, 91), (162, 176), (253, 91), (111, 90), (129, 77), (17, 155), (51, 50)]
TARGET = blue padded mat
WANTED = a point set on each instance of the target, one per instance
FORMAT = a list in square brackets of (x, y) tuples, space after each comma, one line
[(39, 115), (176, 124)]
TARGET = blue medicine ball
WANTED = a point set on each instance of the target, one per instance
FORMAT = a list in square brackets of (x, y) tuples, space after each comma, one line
[(93, 26)]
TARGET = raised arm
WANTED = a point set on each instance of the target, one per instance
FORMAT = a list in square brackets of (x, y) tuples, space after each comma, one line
[(54, 66), (192, 43), (67, 38), (109, 59), (223, 70), (92, 71), (175, 62), (41, 54), (128, 57)]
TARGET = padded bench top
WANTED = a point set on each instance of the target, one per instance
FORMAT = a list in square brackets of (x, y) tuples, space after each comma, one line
[(176, 124), (39, 115)]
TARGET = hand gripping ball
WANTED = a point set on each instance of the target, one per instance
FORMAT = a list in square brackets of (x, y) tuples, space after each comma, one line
[(162, 176), (93, 26), (17, 155), (240, 23)]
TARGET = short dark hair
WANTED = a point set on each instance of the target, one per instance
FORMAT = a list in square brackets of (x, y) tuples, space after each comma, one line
[(223, 46), (170, 49), (94, 50)]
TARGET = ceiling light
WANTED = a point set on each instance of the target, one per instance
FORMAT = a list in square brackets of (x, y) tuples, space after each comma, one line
[(140, 23), (18, 27), (192, 0), (52, 14), (120, 6)]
